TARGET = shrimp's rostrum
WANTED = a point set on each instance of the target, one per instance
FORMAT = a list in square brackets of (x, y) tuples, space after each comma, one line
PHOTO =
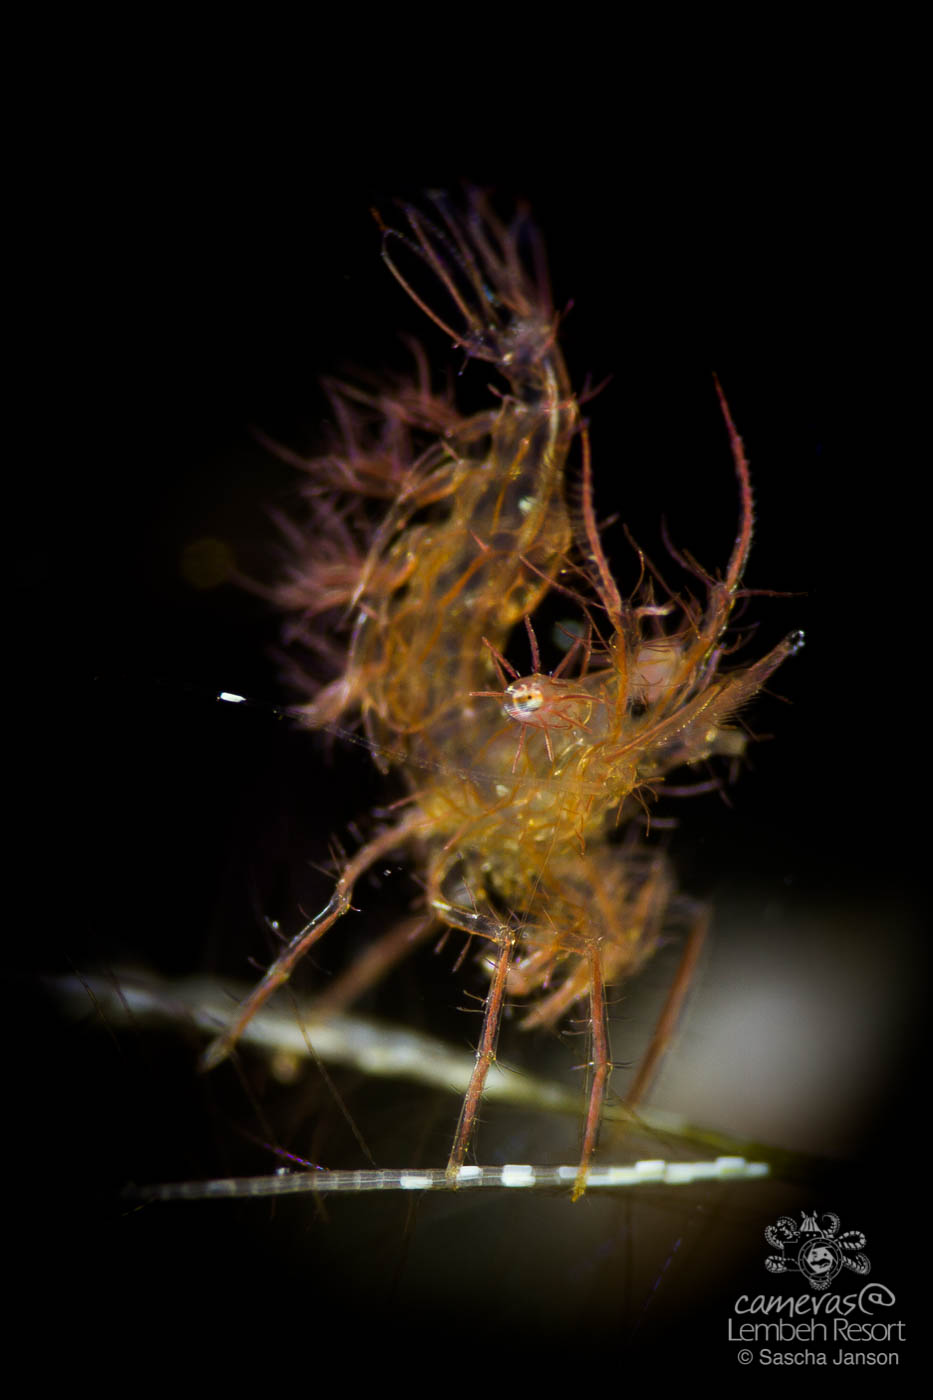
[(432, 537)]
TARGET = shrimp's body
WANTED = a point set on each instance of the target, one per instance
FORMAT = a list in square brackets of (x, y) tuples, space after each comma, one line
[(513, 828)]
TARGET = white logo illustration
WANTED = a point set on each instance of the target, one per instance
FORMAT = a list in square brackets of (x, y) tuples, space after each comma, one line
[(818, 1253)]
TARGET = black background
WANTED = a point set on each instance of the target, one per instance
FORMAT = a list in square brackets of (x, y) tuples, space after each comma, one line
[(199, 275)]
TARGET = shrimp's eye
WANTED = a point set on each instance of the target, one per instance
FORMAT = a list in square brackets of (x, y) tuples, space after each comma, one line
[(522, 699)]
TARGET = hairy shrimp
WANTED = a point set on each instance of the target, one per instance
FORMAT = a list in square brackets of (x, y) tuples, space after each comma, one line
[(432, 536)]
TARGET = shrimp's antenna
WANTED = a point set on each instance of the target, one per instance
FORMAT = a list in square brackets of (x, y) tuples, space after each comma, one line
[(743, 542)]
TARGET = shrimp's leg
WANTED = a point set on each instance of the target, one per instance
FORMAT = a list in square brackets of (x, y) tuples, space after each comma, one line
[(670, 1015), (284, 965), (506, 939), (600, 1068)]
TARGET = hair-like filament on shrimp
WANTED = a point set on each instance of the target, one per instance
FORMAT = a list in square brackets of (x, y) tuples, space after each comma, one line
[(432, 536)]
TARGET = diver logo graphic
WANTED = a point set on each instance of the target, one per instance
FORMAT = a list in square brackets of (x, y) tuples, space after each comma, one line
[(819, 1253)]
